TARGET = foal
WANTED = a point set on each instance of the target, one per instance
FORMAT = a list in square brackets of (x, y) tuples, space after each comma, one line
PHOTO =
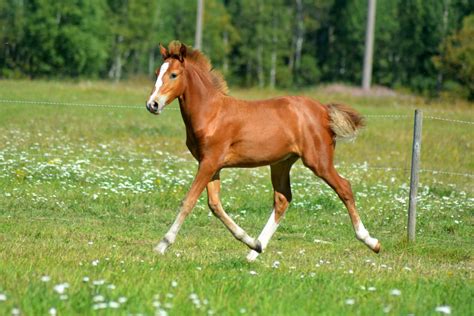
[(223, 132)]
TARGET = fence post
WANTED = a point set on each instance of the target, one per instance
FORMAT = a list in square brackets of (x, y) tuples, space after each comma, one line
[(415, 165)]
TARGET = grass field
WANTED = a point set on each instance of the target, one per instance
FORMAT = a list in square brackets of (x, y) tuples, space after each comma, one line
[(87, 192)]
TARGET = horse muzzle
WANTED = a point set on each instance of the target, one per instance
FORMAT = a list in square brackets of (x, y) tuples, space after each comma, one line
[(152, 107)]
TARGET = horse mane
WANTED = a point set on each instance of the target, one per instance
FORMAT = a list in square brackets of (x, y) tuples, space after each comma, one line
[(198, 59)]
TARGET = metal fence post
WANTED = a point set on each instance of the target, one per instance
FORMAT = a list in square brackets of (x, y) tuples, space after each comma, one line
[(415, 165)]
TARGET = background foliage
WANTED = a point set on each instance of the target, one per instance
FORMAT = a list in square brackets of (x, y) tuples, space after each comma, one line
[(418, 44)]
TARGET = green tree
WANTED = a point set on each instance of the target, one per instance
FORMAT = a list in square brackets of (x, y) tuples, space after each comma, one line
[(315, 52), (458, 58), (80, 37), (346, 41), (386, 44), (219, 34), (12, 25), (47, 38)]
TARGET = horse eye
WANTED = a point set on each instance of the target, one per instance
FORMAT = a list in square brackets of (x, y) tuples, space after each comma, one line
[(173, 76)]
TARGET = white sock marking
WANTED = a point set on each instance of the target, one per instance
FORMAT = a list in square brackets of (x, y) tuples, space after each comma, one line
[(170, 238), (363, 235), (268, 230), (265, 236)]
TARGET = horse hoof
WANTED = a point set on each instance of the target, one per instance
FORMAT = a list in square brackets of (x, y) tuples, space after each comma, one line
[(376, 249), (161, 247), (252, 256), (258, 246)]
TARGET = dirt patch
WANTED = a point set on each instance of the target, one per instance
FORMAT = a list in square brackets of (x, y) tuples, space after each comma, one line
[(376, 91)]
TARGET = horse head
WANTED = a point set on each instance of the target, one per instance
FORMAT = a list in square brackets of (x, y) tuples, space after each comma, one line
[(170, 79)]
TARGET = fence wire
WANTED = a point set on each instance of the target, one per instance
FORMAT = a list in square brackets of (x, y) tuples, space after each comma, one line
[(142, 107), (184, 160)]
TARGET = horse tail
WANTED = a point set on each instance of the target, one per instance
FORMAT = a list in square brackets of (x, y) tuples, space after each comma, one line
[(344, 121)]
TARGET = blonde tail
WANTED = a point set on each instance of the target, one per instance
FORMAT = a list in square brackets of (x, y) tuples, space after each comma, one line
[(345, 122)]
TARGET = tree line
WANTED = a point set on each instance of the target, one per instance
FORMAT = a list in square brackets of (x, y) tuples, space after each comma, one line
[(425, 45)]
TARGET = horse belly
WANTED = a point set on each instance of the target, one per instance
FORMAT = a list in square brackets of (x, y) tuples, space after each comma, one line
[(259, 153)]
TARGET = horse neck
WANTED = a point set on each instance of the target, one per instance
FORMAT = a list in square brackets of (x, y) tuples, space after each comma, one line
[(198, 103)]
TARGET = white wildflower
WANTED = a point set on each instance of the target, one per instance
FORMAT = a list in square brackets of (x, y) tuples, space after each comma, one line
[(99, 306), (161, 312), (350, 301), (395, 292), (445, 309), (61, 288), (122, 299)]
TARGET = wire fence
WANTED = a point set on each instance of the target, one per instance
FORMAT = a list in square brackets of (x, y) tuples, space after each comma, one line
[(185, 160), (142, 107)]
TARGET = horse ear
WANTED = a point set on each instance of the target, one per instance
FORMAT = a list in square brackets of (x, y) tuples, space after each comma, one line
[(164, 53), (182, 52)]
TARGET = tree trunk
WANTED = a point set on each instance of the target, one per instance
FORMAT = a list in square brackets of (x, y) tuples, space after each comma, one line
[(115, 71), (291, 59), (369, 46), (439, 77), (151, 61), (273, 59), (273, 69), (225, 61), (259, 51), (260, 75), (299, 33), (199, 16), (248, 73)]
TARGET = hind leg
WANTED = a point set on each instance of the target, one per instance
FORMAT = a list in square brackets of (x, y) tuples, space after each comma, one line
[(280, 173), (324, 169)]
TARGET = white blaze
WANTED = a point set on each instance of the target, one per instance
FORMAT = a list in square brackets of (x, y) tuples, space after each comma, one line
[(158, 84)]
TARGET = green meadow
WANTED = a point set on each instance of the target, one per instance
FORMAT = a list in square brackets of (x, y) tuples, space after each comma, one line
[(86, 192)]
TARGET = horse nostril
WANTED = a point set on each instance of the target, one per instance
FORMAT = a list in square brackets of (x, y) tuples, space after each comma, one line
[(152, 106)]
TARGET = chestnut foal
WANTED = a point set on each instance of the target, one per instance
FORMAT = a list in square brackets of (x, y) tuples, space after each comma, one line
[(223, 132)]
